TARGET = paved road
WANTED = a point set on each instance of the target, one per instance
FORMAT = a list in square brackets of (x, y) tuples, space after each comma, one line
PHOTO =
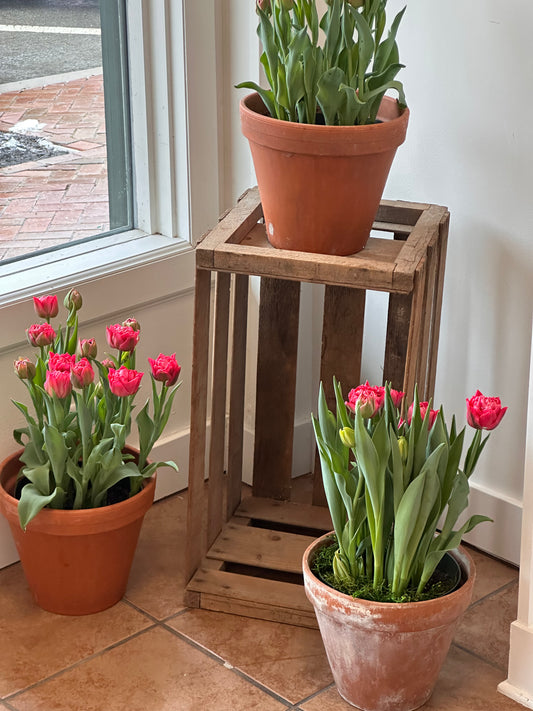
[(46, 37)]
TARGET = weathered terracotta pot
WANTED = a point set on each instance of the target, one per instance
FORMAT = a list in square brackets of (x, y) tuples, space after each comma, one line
[(320, 186), (75, 562), (386, 656)]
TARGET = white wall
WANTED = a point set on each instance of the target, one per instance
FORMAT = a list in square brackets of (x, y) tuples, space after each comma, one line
[(469, 146)]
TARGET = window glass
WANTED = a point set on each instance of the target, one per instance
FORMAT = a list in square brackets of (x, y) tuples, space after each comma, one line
[(57, 171)]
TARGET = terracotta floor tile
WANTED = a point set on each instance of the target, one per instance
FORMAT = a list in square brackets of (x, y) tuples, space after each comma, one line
[(484, 628), (156, 581), (36, 644), (491, 574), (288, 660), (155, 670), (465, 684)]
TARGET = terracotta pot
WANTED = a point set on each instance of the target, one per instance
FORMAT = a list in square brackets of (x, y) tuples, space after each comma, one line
[(320, 186), (75, 562), (386, 656)]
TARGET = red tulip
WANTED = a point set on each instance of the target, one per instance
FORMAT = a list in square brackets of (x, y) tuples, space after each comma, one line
[(46, 306), (82, 374), (484, 413), (61, 361), (369, 397), (123, 338), (423, 409), (58, 383), (124, 381), (41, 334), (165, 369)]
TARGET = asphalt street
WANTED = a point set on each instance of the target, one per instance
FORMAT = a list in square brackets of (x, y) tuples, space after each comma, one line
[(41, 38)]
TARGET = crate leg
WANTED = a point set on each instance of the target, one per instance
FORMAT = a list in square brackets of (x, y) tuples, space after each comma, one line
[(215, 516), (276, 387), (236, 407), (415, 331), (437, 303), (398, 319), (342, 345), (196, 542)]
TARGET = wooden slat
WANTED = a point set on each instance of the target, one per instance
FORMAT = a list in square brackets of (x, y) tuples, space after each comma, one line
[(399, 315), (427, 315), (437, 303), (285, 512), (237, 392), (196, 540), (259, 609), (233, 225), (216, 514), (401, 211), (416, 246), (415, 332), (344, 315), (276, 387), (260, 547)]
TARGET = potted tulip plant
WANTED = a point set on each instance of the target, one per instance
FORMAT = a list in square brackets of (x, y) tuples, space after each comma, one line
[(76, 494), (390, 584), (324, 133)]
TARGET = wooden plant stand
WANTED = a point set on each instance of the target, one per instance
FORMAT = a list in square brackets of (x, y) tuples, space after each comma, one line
[(244, 555)]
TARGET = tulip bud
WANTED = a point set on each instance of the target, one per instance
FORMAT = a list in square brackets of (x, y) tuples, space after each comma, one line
[(40, 334), (341, 569), (73, 300), (347, 437), (264, 5), (404, 449), (108, 363), (24, 368), (132, 323), (82, 374), (46, 306), (88, 347)]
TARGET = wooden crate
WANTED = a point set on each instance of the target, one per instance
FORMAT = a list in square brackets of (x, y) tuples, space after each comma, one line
[(244, 556)]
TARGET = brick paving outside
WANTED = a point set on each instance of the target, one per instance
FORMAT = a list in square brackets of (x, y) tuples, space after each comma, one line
[(55, 200)]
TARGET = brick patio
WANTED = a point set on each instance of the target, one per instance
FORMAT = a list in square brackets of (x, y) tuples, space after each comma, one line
[(55, 200)]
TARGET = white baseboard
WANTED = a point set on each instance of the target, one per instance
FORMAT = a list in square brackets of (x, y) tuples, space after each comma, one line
[(501, 540), (519, 685)]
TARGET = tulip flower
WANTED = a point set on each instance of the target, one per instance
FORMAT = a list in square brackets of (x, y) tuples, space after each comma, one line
[(123, 338), (82, 374), (46, 306), (124, 381), (165, 369), (484, 413), (40, 334), (132, 323), (24, 368), (61, 361), (369, 397), (88, 347), (58, 383), (73, 300), (423, 409)]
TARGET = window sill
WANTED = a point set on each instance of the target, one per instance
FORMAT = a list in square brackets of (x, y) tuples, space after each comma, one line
[(114, 273)]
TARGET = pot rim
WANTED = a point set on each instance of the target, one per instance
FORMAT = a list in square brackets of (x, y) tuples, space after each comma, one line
[(260, 127), (59, 519), (460, 554)]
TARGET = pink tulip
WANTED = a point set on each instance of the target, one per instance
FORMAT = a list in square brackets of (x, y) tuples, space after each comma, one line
[(124, 381), (397, 397), (40, 334), (423, 409), (58, 383), (82, 374), (24, 368), (132, 323), (61, 361), (88, 347), (165, 369), (369, 397), (46, 306), (123, 338), (484, 413)]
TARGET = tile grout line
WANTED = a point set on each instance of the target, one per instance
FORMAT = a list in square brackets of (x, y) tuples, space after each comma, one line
[(493, 593), (478, 656), (227, 665), (74, 665), (317, 693)]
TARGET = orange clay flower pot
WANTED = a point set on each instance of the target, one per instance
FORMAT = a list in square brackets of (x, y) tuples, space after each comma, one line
[(320, 186), (386, 656), (75, 562)]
